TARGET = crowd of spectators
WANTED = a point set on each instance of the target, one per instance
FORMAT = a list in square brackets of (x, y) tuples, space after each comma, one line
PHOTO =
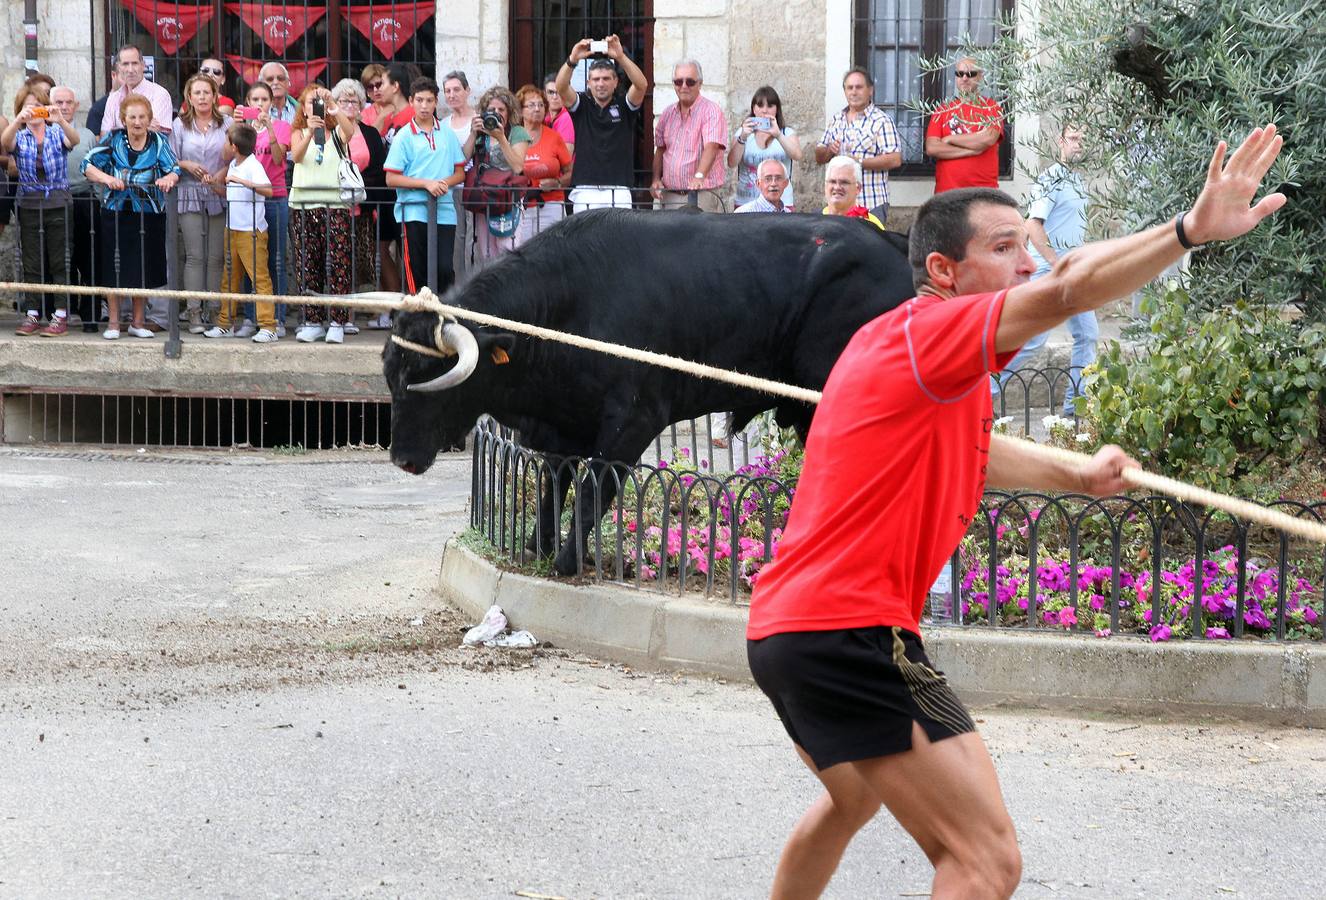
[(261, 200)]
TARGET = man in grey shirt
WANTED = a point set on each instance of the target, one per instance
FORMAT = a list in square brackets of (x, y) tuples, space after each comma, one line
[(82, 250)]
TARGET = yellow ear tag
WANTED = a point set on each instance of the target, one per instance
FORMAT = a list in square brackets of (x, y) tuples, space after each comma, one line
[(499, 357)]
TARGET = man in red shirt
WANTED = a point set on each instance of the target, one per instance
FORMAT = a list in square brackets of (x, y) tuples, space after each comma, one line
[(898, 457), (963, 136)]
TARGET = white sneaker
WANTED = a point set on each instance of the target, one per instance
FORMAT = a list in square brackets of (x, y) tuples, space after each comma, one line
[(216, 331), (380, 322), (280, 329), (351, 328), (111, 334), (336, 334), (137, 332), (248, 329), (307, 334), (265, 337), (196, 321)]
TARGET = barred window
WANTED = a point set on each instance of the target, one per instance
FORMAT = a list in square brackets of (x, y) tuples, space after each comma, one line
[(890, 36)]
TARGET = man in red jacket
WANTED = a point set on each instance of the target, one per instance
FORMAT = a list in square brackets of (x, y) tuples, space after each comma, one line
[(963, 136), (896, 463)]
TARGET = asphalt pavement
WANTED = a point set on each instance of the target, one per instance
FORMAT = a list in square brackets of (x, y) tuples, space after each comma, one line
[(226, 675)]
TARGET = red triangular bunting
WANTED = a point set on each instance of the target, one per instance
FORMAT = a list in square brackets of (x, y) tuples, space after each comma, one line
[(279, 26), (389, 25), (170, 23), (301, 73)]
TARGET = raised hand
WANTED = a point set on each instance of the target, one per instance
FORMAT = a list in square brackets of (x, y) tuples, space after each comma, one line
[(1222, 210), (580, 50)]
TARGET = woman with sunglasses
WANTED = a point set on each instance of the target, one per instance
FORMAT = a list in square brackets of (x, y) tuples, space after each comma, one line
[(762, 135), (371, 79)]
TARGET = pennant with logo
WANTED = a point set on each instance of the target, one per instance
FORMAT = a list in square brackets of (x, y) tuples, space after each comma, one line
[(301, 73), (279, 26), (171, 24), (389, 25)]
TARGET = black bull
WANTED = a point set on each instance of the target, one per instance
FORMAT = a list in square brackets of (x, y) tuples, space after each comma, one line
[(777, 296)]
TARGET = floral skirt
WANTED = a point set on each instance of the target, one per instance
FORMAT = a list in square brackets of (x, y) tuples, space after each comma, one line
[(320, 246)]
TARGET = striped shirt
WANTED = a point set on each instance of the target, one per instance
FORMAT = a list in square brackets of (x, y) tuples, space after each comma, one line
[(682, 136), (759, 204), (52, 175), (871, 134)]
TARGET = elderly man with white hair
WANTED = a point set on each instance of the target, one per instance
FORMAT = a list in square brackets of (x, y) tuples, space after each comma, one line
[(690, 138), (277, 77), (771, 178), (842, 187)]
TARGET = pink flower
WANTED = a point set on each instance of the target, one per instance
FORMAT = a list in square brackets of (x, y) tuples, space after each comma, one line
[(1102, 632), (1067, 617), (1161, 633), (1218, 633)]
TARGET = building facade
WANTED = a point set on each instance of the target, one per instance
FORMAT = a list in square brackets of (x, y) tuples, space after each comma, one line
[(801, 47)]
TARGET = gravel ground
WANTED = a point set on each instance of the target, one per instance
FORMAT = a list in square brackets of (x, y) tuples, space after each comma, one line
[(232, 680)]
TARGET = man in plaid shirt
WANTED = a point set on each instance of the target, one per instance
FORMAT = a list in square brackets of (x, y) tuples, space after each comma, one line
[(864, 132), (691, 137)]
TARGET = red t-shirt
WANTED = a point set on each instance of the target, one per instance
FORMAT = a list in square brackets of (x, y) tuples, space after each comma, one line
[(546, 159), (966, 118), (894, 471)]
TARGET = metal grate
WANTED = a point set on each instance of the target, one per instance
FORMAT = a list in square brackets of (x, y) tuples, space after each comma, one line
[(59, 415)]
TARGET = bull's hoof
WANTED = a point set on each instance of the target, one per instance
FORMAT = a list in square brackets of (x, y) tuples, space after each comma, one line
[(566, 563)]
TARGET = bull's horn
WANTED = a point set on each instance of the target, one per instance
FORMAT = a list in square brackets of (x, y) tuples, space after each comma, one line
[(457, 338)]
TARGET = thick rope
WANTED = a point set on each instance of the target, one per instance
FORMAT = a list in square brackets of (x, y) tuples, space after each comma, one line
[(425, 301)]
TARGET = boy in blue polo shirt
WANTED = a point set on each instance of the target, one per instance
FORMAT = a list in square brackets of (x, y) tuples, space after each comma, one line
[(425, 160)]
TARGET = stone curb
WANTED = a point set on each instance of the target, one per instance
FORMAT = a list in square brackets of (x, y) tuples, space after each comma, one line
[(1264, 682)]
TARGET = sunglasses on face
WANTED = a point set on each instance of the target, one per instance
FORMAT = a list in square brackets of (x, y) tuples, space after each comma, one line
[(375, 86), (965, 73), (684, 82), (207, 70)]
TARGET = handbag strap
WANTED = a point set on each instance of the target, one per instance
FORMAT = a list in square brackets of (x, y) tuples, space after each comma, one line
[(341, 149)]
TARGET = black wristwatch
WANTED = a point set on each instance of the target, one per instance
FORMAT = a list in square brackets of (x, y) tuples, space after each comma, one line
[(1183, 235)]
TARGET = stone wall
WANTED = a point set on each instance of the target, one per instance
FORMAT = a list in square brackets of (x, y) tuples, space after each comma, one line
[(63, 50), (474, 38)]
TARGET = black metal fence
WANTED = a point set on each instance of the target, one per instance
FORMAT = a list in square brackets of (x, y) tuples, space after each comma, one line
[(1148, 566)]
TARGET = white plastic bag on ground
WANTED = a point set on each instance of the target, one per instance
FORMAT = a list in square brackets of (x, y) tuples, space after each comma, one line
[(493, 624), (517, 639)]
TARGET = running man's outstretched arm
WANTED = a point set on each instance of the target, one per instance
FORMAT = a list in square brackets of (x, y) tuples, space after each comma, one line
[(1096, 273), (1011, 467)]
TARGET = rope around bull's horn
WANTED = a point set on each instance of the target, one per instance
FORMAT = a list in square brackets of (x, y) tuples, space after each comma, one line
[(425, 301)]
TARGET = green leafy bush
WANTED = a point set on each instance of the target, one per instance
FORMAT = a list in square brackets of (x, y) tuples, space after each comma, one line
[(1210, 395)]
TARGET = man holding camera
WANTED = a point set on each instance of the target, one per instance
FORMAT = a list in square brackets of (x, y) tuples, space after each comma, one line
[(604, 123)]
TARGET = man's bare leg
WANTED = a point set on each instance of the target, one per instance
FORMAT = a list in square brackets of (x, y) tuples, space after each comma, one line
[(947, 796), (811, 854)]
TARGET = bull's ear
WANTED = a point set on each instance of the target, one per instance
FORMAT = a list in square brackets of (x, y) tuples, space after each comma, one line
[(497, 346)]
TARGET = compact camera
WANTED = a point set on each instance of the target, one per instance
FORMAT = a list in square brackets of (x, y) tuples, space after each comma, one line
[(319, 107), (492, 121), (598, 47), (40, 112)]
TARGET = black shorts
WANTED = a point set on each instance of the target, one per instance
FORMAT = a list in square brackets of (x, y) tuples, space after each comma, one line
[(854, 693)]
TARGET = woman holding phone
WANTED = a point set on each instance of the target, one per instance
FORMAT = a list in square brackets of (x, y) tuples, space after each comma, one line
[(762, 135)]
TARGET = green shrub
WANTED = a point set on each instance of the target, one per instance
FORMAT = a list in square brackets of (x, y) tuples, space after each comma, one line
[(1210, 395)]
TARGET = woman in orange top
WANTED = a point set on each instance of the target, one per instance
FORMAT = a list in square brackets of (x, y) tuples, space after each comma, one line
[(547, 165)]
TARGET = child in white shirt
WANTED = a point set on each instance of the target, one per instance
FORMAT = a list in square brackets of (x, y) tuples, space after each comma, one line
[(246, 235)]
